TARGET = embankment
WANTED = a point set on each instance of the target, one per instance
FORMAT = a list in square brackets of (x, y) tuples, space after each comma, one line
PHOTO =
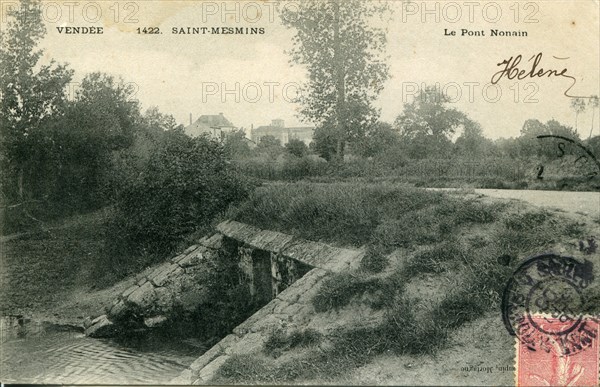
[(280, 272)]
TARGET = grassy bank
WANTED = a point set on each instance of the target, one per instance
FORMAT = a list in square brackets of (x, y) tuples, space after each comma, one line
[(434, 262), (39, 267), (66, 260)]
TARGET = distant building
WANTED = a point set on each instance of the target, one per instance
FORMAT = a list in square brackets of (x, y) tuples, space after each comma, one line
[(217, 126), (278, 130)]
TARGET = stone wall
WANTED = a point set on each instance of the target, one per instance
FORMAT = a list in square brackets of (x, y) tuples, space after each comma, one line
[(161, 294), (298, 250), (293, 290)]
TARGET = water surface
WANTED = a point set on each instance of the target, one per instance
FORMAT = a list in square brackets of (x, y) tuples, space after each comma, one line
[(35, 352)]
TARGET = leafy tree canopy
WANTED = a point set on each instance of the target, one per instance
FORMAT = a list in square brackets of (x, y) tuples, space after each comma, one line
[(31, 92), (428, 114), (296, 147), (345, 63)]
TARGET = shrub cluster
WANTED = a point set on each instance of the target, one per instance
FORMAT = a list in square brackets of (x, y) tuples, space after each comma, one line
[(166, 188), (183, 185)]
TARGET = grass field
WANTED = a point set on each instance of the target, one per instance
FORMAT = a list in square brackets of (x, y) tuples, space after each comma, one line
[(498, 173), (463, 247)]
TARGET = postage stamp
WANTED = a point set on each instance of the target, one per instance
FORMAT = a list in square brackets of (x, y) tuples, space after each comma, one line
[(547, 366), (545, 307)]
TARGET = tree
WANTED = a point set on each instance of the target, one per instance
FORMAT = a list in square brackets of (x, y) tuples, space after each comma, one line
[(270, 146), (578, 106), (426, 124), (532, 128), (236, 145), (324, 142), (127, 164), (154, 120), (296, 147), (472, 143), (343, 54), (101, 121), (378, 138), (183, 185), (530, 145), (104, 111), (32, 94)]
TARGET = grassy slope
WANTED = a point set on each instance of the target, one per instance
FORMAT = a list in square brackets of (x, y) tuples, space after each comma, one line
[(445, 273), (58, 273)]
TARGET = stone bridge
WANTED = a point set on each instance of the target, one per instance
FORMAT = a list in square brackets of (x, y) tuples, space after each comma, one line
[(270, 264)]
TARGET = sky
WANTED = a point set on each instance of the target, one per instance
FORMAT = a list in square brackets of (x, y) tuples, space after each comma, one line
[(250, 80)]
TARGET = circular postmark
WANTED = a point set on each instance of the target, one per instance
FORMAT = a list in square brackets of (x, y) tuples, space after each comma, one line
[(544, 304)]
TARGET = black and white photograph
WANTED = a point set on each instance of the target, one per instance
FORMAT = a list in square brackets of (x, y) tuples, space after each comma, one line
[(299, 192)]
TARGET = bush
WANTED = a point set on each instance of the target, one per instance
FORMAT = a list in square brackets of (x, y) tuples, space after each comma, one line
[(184, 184), (279, 341), (437, 259), (238, 369), (287, 169), (338, 290), (296, 148), (407, 335), (375, 259)]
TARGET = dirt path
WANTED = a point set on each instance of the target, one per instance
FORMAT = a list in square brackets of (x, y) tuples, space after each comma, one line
[(579, 203)]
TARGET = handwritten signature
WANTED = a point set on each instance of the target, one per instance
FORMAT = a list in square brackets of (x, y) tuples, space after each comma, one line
[(512, 71)]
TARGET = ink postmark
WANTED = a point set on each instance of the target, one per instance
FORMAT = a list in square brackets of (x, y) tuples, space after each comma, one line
[(584, 162), (544, 305)]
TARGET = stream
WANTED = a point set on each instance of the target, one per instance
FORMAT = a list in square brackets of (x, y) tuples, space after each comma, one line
[(38, 352)]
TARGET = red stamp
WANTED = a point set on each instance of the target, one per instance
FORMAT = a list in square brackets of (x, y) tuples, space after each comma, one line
[(561, 356)]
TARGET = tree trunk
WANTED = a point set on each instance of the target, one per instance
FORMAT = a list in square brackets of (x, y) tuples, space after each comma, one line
[(339, 66)]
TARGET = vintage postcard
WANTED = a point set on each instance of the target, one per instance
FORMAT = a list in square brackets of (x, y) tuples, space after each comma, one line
[(299, 192)]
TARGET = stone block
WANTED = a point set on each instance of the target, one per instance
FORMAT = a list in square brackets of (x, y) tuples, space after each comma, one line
[(237, 230), (228, 341), (191, 259), (87, 322), (154, 322), (101, 327), (294, 310), (252, 342), (190, 249), (292, 293), (162, 267), (315, 254), (117, 310), (143, 297), (177, 258), (269, 240), (206, 358), (185, 378), (214, 242), (169, 273), (280, 306), (268, 324), (129, 290), (209, 372)]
